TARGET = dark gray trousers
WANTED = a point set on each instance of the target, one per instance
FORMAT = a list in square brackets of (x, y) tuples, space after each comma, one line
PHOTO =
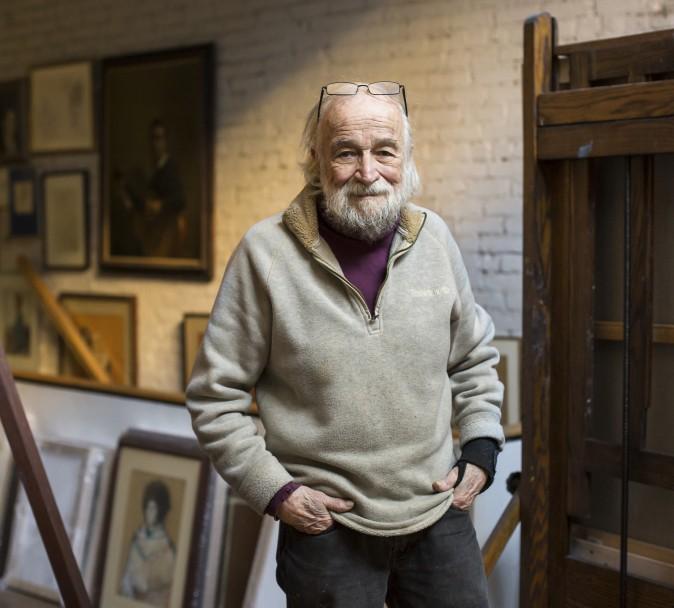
[(440, 567)]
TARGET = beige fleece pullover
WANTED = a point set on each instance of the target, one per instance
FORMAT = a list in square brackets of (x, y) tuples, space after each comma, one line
[(356, 405)]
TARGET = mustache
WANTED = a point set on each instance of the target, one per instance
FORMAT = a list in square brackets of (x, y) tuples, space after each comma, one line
[(354, 188)]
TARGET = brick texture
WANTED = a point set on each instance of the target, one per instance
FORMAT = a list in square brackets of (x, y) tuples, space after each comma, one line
[(459, 60)]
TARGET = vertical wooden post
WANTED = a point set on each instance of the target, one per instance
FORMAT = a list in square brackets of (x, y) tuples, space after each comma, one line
[(579, 314), (539, 34), (40, 496), (641, 297)]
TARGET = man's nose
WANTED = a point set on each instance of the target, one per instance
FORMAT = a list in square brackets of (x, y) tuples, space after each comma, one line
[(367, 172)]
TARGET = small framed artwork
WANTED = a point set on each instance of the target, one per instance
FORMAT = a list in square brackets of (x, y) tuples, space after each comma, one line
[(65, 220), (240, 541), (19, 323), (157, 159), (13, 111), (158, 522), (4, 188), (74, 475), (193, 329), (23, 220), (62, 108), (508, 370), (107, 324)]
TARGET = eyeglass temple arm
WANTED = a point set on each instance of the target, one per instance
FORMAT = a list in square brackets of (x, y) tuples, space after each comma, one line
[(402, 88), (320, 101)]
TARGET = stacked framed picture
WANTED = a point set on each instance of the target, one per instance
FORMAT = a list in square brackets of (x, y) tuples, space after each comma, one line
[(77, 475), (158, 523)]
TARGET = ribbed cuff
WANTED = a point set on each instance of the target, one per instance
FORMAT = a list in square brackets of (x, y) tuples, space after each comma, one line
[(481, 452), (279, 497)]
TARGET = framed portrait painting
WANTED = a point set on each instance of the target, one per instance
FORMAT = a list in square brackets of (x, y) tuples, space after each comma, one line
[(13, 111), (107, 324), (65, 220), (157, 523), (508, 370), (19, 323), (193, 329), (157, 157), (62, 108)]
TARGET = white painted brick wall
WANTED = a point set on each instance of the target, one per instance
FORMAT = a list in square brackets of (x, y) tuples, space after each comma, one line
[(459, 59)]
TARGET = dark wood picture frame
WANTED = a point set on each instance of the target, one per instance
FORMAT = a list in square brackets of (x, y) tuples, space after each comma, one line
[(156, 159), (171, 446), (45, 222), (190, 345), (65, 359), (46, 105), (14, 99)]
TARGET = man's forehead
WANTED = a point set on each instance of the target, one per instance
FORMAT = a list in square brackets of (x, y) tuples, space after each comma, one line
[(362, 111)]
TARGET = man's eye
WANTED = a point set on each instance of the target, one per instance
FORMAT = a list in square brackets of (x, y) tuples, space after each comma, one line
[(346, 154), (385, 153)]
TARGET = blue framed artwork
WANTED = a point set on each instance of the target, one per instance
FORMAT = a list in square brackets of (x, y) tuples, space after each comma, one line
[(22, 205)]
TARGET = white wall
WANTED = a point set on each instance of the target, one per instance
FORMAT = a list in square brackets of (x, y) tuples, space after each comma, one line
[(504, 581), (460, 62)]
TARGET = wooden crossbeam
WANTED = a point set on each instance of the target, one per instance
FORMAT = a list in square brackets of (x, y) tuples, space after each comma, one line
[(609, 138), (624, 102), (613, 330), (639, 54), (500, 535), (40, 496), (649, 468)]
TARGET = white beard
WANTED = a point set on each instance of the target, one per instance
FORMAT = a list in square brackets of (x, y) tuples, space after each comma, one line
[(366, 218)]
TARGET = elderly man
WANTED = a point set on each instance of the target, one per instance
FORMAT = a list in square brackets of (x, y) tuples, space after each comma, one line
[(352, 315)]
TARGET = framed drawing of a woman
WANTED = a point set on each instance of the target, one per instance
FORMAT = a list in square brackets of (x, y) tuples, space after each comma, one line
[(158, 522)]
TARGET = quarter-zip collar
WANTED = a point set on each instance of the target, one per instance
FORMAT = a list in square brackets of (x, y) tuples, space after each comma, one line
[(301, 218)]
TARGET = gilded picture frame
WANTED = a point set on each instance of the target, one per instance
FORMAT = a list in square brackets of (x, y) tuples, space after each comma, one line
[(108, 325), (509, 372), (192, 332), (157, 163)]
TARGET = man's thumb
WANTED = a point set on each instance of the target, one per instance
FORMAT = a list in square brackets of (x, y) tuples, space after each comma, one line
[(337, 504)]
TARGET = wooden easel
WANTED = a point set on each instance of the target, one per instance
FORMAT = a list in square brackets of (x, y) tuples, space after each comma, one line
[(29, 464), (584, 104)]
